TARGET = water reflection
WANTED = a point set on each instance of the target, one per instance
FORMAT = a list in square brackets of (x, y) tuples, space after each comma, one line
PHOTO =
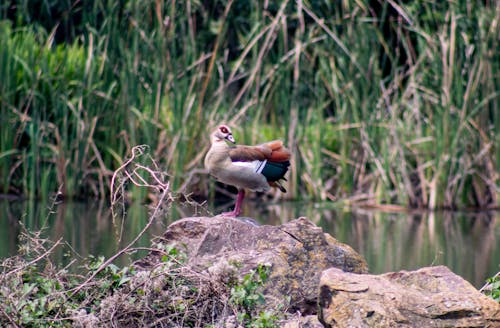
[(468, 243)]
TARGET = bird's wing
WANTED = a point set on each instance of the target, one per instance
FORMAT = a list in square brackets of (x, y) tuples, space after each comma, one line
[(272, 151), (249, 153)]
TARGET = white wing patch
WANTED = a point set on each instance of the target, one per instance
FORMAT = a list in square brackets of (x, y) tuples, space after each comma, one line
[(256, 166)]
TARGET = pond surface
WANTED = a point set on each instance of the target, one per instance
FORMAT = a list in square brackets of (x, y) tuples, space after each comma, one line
[(467, 242)]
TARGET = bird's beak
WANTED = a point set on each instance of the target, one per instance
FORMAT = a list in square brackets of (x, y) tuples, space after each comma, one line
[(230, 138)]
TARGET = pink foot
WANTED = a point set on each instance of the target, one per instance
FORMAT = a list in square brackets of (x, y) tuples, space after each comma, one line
[(231, 214), (237, 207)]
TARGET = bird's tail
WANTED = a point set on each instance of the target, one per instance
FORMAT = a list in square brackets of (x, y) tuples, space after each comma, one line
[(278, 152), (275, 171)]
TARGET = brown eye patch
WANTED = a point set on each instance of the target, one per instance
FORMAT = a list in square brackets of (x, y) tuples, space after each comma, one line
[(223, 129)]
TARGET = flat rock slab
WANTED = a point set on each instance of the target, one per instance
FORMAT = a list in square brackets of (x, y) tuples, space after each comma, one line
[(429, 297), (296, 252)]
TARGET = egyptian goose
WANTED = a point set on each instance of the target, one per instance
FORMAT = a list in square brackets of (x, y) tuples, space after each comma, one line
[(256, 168)]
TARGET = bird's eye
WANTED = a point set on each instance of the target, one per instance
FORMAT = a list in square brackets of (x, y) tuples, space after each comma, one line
[(223, 129)]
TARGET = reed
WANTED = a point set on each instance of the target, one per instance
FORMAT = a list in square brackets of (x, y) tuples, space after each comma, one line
[(381, 103)]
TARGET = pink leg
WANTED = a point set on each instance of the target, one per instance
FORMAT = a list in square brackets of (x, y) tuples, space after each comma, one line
[(237, 205)]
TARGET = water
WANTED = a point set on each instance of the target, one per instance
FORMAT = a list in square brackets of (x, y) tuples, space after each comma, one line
[(468, 243)]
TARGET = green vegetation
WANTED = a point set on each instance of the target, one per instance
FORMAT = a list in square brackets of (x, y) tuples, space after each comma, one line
[(492, 287), (381, 102), (39, 293), (246, 295)]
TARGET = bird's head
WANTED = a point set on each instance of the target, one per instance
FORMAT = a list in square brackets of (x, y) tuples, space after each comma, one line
[(223, 132)]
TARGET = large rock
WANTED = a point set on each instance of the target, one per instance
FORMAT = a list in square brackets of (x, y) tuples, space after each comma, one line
[(429, 297), (297, 252)]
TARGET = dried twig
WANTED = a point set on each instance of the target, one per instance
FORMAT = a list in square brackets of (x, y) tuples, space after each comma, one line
[(46, 253), (153, 216), (117, 192)]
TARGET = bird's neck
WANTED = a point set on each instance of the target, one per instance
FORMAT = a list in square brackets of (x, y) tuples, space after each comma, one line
[(218, 153)]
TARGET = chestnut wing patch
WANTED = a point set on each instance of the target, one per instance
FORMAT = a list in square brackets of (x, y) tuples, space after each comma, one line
[(249, 153), (272, 151)]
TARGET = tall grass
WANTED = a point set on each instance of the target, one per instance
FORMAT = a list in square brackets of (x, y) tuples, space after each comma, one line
[(381, 102)]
